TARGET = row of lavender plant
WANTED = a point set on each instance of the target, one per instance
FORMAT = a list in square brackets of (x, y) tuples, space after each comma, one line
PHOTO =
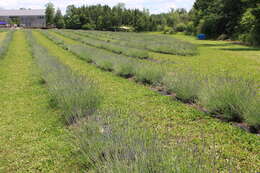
[(116, 48), (155, 43), (5, 43), (233, 98), (75, 95), (108, 141), (144, 71)]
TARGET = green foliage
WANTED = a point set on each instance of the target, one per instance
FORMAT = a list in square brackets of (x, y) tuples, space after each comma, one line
[(217, 17), (252, 114), (230, 96), (149, 74), (49, 12), (103, 17), (208, 26), (113, 143), (168, 30), (59, 20), (15, 20), (185, 84), (237, 20), (105, 64), (88, 26), (190, 29), (125, 68), (250, 24), (181, 27)]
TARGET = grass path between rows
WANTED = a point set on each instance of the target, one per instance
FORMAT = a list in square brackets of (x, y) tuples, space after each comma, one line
[(32, 136), (2, 36), (170, 118)]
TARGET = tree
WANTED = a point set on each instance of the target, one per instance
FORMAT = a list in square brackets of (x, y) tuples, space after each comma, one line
[(49, 12), (72, 19), (217, 17), (59, 20)]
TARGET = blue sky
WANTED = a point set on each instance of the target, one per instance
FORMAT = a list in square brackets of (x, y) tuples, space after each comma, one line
[(155, 6)]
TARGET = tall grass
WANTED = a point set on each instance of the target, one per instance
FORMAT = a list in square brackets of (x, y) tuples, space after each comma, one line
[(5, 43), (75, 95)]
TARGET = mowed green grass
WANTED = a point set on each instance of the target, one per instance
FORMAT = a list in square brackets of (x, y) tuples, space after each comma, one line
[(170, 118), (2, 36), (216, 58), (32, 135)]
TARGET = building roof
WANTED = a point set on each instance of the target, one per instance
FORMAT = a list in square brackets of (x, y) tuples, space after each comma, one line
[(22, 13)]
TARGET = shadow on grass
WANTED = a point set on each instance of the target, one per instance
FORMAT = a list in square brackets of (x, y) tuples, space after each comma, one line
[(242, 49), (231, 49), (216, 44)]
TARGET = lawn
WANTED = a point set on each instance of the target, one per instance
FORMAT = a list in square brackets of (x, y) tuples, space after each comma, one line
[(219, 56), (170, 118)]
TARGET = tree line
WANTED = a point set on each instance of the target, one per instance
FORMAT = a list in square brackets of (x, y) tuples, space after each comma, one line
[(104, 17), (234, 19), (222, 19)]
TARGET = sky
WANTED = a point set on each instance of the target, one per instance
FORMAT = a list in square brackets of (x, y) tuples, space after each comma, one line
[(155, 6)]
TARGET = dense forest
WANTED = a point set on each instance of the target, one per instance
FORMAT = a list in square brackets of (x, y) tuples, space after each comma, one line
[(222, 19)]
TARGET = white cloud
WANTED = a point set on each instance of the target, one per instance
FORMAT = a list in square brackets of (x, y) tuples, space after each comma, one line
[(155, 6)]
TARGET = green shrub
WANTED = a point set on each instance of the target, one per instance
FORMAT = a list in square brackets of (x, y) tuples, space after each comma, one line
[(81, 52), (208, 26), (230, 96), (181, 27), (185, 84), (168, 30), (108, 146), (149, 74), (252, 115), (89, 26), (105, 64), (124, 68), (190, 29), (160, 27), (249, 26), (113, 143), (142, 54), (75, 96)]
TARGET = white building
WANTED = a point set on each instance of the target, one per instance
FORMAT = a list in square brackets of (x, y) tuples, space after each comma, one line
[(24, 17)]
